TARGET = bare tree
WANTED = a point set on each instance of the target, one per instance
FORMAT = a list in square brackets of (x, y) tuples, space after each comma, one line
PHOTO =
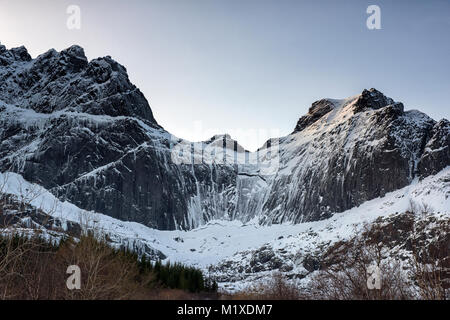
[(346, 274)]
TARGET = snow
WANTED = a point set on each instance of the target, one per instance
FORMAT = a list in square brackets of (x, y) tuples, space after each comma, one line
[(29, 118), (218, 240)]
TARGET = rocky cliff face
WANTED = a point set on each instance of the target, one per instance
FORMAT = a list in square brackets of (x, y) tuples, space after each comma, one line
[(436, 154), (65, 80), (345, 152), (83, 131)]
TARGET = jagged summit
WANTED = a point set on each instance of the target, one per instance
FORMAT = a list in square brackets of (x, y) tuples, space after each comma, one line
[(371, 99), (15, 54), (75, 51), (317, 110), (66, 80)]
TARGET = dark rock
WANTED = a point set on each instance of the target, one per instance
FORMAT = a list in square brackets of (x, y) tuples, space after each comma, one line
[(311, 263), (286, 268), (20, 54), (178, 239), (8, 57), (372, 99), (317, 110), (436, 155), (265, 259)]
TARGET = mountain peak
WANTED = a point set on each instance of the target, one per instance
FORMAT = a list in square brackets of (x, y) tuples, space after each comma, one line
[(76, 51), (15, 54), (75, 56), (317, 111), (368, 99), (66, 80), (372, 99)]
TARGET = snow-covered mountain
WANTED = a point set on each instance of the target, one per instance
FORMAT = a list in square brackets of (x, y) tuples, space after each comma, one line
[(85, 133)]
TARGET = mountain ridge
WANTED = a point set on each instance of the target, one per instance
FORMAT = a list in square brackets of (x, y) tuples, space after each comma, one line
[(93, 140), (66, 80)]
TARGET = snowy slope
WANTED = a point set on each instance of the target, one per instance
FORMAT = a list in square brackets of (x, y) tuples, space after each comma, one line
[(233, 242)]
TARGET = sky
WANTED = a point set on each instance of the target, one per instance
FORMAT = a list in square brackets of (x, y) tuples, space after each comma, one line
[(244, 66)]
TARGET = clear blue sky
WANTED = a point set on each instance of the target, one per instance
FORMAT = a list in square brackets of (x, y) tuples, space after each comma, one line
[(239, 64)]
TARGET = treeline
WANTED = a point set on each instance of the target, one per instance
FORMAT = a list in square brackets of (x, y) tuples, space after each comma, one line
[(179, 276), (35, 268)]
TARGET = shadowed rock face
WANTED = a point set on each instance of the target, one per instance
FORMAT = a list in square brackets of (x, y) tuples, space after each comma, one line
[(16, 54), (372, 99), (317, 110), (83, 131), (436, 155)]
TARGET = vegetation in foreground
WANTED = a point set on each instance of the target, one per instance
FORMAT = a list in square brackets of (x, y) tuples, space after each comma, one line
[(32, 268), (410, 250)]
